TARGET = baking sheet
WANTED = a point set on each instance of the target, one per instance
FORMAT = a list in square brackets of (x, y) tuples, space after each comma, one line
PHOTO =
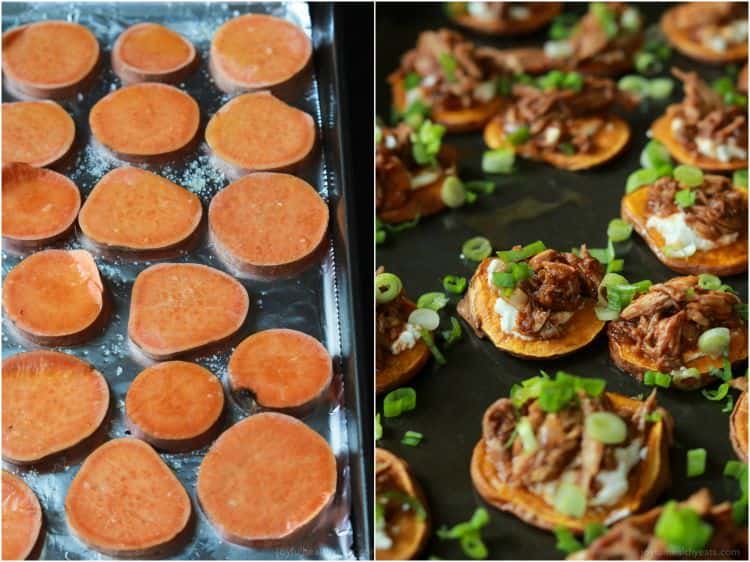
[(538, 202), (317, 302)]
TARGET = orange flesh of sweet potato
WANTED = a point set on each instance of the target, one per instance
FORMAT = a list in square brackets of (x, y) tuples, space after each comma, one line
[(265, 478), (724, 260), (125, 501), (38, 133), (267, 220), (54, 294), (22, 518), (145, 120), (283, 368), (48, 59), (173, 405), (176, 308), (257, 132), (149, 52), (38, 205), (51, 402), (138, 210), (256, 51)]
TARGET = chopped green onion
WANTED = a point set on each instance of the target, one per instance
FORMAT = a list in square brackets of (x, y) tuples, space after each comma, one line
[(606, 314), (715, 395), (729, 405), (449, 65), (454, 284), (476, 249), (618, 230), (655, 154), (412, 438), (400, 227), (592, 532), (660, 88), (714, 341), (469, 534), (380, 236), (481, 187), (424, 318), (387, 287), (473, 547), (416, 113), (566, 148), (433, 301), (605, 17), (551, 81), (570, 500), (498, 161), (741, 309), (566, 541), (430, 343), (412, 80), (572, 81), (562, 26), (615, 265), (739, 179), (733, 468), (654, 417), (606, 427), (682, 529), (399, 401), (426, 142), (378, 428), (709, 282), (453, 192), (696, 462), (684, 198), (647, 63), (454, 334), (611, 280), (503, 279), (639, 178), (689, 176), (378, 134), (655, 378), (519, 136), (528, 251), (526, 434), (634, 83)]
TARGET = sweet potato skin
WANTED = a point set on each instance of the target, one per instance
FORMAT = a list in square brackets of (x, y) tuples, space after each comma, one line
[(22, 518), (738, 427), (38, 133)]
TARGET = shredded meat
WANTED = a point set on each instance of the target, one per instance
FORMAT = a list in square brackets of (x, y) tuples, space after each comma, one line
[(664, 324), (705, 20)]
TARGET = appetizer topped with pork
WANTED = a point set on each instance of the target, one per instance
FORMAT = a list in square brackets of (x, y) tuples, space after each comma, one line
[(694, 529), (707, 129), (410, 168), (738, 420), (708, 31), (535, 302), (677, 332), (562, 452), (402, 524), (447, 78), (564, 119), (403, 333), (503, 18), (693, 222)]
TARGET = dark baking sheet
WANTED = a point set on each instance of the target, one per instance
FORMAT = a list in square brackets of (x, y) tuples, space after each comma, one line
[(319, 301), (563, 209)]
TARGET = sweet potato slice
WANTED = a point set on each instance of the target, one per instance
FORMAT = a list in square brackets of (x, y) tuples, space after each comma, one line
[(259, 132), (38, 133), (49, 59), (661, 130), (257, 51), (646, 481), (133, 209), (724, 260), (742, 80), (268, 224), (540, 15), (407, 530), (179, 307), (284, 369), (478, 309), (22, 518), (608, 142), (51, 402), (55, 297), (266, 480), (683, 42), (175, 405), (145, 121), (125, 501), (39, 205), (738, 427), (149, 52)]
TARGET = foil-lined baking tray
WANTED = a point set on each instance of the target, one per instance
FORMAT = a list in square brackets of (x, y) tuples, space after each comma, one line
[(318, 301)]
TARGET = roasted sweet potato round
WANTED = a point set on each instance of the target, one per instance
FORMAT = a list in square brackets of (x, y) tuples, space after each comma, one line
[(738, 427)]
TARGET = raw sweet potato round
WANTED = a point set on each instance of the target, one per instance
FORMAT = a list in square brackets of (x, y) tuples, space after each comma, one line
[(22, 518), (180, 307), (145, 121), (38, 133), (51, 402), (149, 52), (55, 297), (267, 223), (257, 51), (259, 132), (38, 205), (282, 368), (134, 209), (125, 501), (48, 59), (174, 405), (266, 478)]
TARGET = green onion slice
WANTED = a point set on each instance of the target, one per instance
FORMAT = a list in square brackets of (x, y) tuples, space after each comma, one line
[(715, 395), (526, 434), (454, 284), (412, 438), (739, 179), (618, 230), (606, 427), (509, 256), (519, 136), (425, 318), (682, 528), (570, 499), (476, 249), (689, 176), (592, 532), (453, 192), (387, 287), (433, 301), (378, 428), (714, 341), (684, 198), (696, 462), (709, 282), (498, 161), (399, 401), (454, 334), (566, 541), (655, 154), (660, 88), (430, 343)]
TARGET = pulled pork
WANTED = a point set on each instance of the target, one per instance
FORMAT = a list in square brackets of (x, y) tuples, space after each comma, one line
[(719, 210), (390, 319), (553, 117), (664, 324), (704, 115), (705, 22)]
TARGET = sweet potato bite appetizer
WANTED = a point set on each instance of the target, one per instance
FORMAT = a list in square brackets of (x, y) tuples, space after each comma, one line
[(449, 79), (696, 526), (707, 129), (402, 524), (675, 333), (738, 420), (401, 329), (411, 167), (564, 119), (708, 31), (503, 18), (562, 452), (694, 223), (534, 302)]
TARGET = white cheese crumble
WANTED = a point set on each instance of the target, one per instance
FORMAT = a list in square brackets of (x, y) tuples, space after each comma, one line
[(382, 540), (722, 152), (614, 483), (508, 318), (678, 235), (480, 10), (407, 339), (677, 125), (390, 142), (717, 43), (519, 12), (551, 135), (558, 49), (485, 91)]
